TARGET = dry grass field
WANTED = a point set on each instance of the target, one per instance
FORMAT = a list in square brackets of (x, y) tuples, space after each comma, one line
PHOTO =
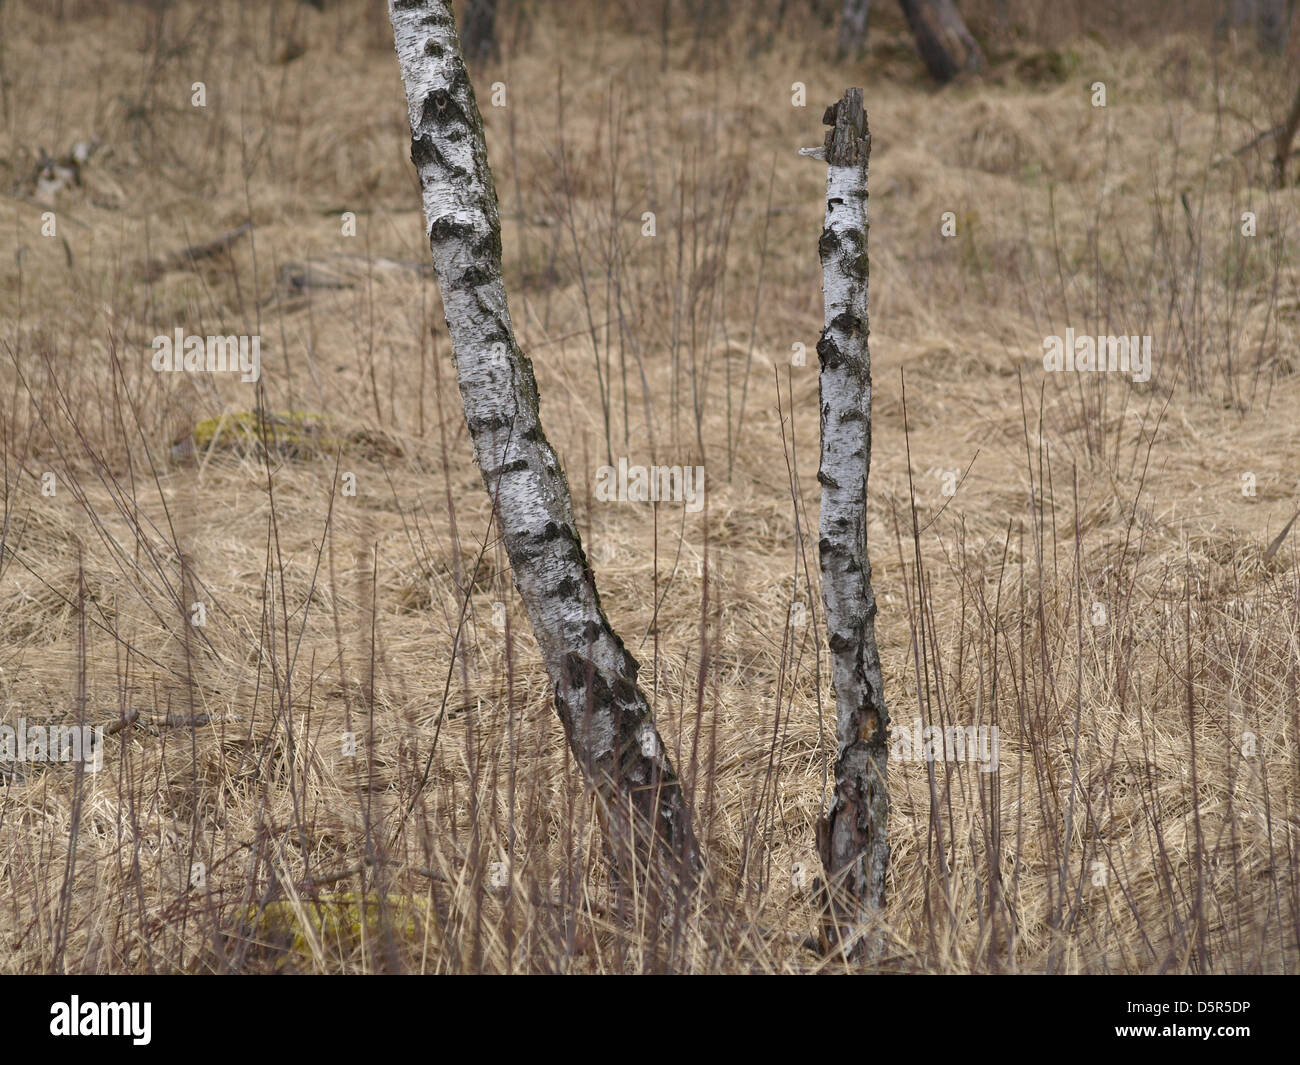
[(345, 758)]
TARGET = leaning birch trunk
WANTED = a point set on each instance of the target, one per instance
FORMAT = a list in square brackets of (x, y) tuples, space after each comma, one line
[(606, 718), (853, 837)]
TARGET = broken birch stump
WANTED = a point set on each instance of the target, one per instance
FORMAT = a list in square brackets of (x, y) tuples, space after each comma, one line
[(607, 720), (852, 838)]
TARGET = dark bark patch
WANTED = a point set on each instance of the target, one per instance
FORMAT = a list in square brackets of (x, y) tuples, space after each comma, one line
[(828, 353), (488, 248), (477, 276), (449, 228), (576, 669), (849, 323), (491, 424), (435, 107), (631, 667), (554, 531), (423, 151), (443, 107)]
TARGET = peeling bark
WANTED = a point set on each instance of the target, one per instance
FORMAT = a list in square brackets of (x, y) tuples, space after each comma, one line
[(606, 718), (946, 45), (853, 837)]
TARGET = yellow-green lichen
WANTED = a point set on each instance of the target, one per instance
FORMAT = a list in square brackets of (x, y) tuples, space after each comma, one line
[(286, 434), (333, 926)]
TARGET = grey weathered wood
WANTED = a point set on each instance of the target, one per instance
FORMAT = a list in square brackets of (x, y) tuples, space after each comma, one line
[(853, 838), (606, 718)]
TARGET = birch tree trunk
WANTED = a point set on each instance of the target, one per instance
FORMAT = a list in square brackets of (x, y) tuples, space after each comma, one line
[(945, 44), (853, 838), (606, 718)]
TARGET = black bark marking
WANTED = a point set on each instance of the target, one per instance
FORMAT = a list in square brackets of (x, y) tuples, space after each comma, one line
[(491, 424), (850, 323), (478, 275), (449, 228)]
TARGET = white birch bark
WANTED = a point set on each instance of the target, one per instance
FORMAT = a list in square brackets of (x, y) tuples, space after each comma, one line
[(606, 718), (853, 837)]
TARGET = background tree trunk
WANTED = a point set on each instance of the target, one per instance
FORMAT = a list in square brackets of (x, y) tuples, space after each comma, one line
[(853, 28), (606, 717), (1271, 20), (1286, 134), (480, 30), (1273, 24), (945, 44), (853, 838)]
